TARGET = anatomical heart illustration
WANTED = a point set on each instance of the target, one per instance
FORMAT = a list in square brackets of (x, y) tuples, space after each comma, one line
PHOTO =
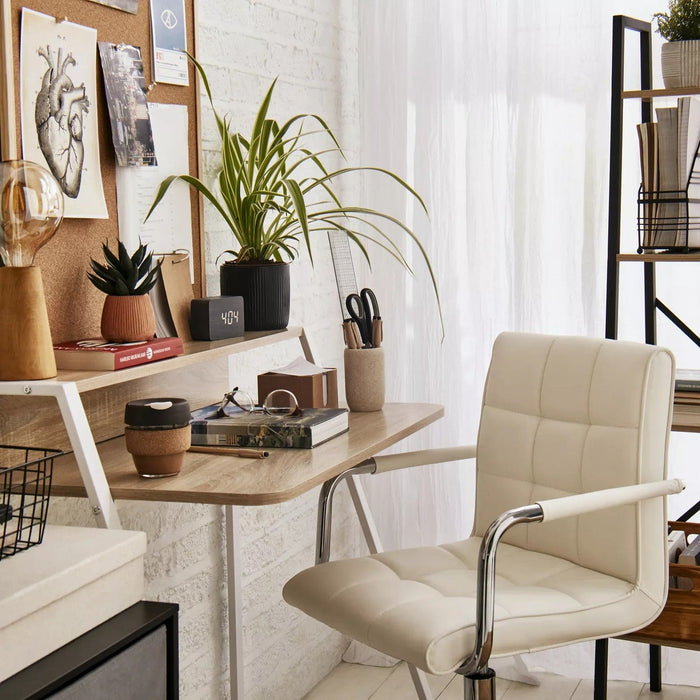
[(59, 120), (59, 110)]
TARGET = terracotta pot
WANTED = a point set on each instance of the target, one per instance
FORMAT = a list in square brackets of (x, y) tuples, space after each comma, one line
[(265, 291), (680, 63), (128, 319)]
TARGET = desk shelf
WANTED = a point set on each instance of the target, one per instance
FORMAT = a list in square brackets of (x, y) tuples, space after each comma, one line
[(107, 392), (196, 351)]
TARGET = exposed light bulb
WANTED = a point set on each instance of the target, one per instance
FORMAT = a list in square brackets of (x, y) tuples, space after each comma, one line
[(31, 209)]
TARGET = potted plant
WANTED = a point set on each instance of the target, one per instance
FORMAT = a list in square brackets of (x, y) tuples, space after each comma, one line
[(127, 314), (274, 190), (680, 55)]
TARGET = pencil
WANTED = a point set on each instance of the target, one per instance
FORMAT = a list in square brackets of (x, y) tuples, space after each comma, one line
[(231, 451), (356, 335), (377, 332)]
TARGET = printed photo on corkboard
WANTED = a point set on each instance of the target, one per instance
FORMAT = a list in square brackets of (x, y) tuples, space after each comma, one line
[(58, 107), (125, 90)]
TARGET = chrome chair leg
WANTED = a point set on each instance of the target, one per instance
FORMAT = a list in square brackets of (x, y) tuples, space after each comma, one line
[(480, 686)]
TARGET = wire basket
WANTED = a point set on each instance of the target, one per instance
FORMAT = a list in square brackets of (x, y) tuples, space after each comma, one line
[(25, 485), (668, 220)]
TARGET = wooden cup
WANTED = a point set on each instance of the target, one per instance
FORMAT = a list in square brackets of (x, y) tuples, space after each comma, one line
[(364, 379)]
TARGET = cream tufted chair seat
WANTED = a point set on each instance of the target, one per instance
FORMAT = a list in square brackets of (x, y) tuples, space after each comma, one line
[(572, 449), (419, 604)]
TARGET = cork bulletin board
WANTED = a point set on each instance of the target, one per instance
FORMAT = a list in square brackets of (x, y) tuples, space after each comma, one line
[(74, 305)]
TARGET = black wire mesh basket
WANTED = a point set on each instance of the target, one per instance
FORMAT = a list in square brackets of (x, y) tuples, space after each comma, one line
[(25, 486)]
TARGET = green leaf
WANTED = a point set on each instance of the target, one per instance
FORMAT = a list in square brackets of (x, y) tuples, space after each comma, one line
[(300, 206)]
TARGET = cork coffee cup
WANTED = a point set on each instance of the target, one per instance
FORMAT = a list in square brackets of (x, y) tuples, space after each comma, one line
[(158, 434), (364, 379)]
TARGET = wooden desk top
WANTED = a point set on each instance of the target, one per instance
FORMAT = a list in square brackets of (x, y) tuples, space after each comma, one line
[(224, 480)]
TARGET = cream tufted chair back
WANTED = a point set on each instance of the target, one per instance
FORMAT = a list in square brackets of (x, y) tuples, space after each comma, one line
[(564, 416)]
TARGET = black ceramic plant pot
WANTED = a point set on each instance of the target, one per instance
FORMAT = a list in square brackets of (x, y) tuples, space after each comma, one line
[(265, 291)]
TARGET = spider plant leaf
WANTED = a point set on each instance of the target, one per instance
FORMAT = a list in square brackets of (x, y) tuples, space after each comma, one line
[(365, 168), (300, 207), (203, 77), (199, 186)]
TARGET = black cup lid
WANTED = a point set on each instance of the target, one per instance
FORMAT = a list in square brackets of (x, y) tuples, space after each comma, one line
[(157, 413)]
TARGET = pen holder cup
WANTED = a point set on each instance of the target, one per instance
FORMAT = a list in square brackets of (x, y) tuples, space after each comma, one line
[(364, 379)]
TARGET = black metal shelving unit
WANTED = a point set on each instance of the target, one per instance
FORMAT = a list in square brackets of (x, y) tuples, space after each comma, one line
[(622, 26)]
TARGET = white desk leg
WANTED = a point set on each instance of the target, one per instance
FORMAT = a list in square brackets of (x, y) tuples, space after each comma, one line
[(87, 457), (81, 440), (235, 635), (369, 529)]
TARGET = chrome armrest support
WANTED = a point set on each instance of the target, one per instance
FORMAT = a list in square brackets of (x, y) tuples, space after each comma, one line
[(550, 509), (486, 584), (376, 465), (325, 507)]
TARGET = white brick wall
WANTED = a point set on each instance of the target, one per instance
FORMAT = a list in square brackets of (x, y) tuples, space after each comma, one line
[(312, 46)]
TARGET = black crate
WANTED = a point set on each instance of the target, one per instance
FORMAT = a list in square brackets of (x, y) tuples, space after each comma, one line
[(25, 485)]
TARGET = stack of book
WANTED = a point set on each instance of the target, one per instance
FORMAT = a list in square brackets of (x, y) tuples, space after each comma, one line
[(240, 429), (670, 191), (687, 397), (98, 354)]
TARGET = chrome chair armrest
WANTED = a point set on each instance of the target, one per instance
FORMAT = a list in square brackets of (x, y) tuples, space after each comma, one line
[(551, 509), (376, 465)]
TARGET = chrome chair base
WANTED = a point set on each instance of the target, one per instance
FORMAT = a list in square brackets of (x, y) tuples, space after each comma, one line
[(480, 686)]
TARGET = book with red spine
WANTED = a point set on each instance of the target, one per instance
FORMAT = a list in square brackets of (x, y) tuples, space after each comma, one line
[(98, 354)]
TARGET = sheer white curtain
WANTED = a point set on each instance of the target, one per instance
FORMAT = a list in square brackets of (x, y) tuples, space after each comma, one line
[(497, 111)]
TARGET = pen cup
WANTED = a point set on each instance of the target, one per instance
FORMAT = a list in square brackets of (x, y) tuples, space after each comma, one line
[(364, 379)]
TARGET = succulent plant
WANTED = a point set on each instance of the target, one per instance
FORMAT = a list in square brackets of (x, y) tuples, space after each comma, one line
[(124, 275)]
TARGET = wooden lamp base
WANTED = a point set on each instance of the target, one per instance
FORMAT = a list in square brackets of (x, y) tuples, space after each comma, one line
[(26, 350)]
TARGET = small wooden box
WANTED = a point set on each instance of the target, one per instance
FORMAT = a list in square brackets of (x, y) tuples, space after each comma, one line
[(312, 391)]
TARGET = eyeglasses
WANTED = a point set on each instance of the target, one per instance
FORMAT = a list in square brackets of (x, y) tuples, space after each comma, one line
[(279, 402)]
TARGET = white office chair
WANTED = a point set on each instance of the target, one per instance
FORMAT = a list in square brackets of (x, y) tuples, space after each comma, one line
[(573, 431)]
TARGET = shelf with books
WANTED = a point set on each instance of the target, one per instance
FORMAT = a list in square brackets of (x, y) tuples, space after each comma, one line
[(656, 214), (668, 203), (195, 351)]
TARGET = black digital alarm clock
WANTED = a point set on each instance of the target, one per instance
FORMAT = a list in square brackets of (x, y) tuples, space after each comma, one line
[(216, 318)]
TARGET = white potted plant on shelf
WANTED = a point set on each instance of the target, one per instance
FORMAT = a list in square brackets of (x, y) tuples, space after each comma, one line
[(680, 55), (276, 189)]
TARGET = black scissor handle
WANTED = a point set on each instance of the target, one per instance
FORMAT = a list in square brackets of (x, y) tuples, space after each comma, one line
[(370, 303), (358, 313)]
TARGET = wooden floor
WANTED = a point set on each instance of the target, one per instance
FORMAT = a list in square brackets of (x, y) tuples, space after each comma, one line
[(355, 682)]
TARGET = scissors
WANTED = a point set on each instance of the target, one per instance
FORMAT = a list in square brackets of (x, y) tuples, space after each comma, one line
[(364, 309)]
